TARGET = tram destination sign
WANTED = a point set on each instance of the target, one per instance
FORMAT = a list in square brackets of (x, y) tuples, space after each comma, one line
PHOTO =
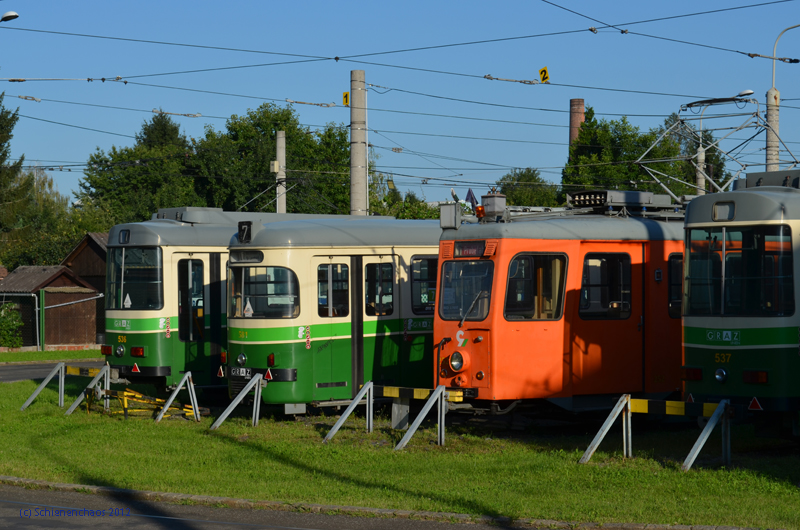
[(469, 249)]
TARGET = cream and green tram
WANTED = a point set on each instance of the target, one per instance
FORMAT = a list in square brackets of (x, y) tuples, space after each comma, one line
[(320, 307), (165, 294), (741, 324)]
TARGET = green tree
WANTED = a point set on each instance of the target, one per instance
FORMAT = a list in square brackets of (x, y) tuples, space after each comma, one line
[(131, 183), (604, 153), (10, 324), (51, 226), (231, 168), (14, 186), (526, 187), (384, 200), (161, 130), (688, 142), (128, 184)]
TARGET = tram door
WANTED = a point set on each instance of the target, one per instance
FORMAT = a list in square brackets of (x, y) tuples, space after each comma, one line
[(192, 315), (608, 323), (330, 339), (381, 331)]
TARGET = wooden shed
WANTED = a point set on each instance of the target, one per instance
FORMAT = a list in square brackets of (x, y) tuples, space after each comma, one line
[(88, 261), (69, 302)]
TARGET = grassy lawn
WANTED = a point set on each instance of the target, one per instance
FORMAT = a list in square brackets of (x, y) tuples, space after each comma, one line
[(528, 474), (42, 356)]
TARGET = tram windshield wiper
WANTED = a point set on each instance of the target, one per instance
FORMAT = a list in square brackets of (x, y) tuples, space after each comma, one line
[(471, 306)]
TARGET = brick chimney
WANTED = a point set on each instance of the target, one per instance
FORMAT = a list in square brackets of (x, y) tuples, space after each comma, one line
[(576, 117)]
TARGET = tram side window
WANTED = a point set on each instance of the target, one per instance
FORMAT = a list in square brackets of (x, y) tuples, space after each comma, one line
[(378, 286), (333, 290), (423, 285), (675, 283), (606, 287), (264, 292), (535, 289), (191, 317)]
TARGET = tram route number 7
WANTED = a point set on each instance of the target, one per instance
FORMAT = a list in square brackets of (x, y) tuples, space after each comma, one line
[(722, 357)]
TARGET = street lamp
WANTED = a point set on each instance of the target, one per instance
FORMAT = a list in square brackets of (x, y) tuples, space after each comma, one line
[(700, 177), (10, 15), (773, 108)]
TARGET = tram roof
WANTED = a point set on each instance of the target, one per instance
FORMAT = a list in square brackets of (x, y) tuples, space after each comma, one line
[(344, 232), (767, 203), (577, 227), (192, 227)]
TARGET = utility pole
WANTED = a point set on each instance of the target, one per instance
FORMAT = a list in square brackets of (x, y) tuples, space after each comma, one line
[(701, 166), (773, 108), (358, 143), (281, 172), (773, 120)]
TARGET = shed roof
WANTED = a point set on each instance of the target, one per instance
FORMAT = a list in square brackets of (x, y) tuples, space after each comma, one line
[(30, 278), (99, 238)]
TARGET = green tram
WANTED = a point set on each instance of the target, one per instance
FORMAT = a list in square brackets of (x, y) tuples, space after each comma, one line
[(322, 306), (165, 294), (741, 327)]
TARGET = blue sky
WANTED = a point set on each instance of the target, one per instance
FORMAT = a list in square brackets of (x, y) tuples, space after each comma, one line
[(445, 142)]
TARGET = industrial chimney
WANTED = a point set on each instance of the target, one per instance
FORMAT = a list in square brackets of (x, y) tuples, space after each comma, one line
[(576, 117)]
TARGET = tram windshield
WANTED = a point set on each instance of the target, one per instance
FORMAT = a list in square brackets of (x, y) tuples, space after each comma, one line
[(739, 271), (134, 278), (466, 290), (263, 292)]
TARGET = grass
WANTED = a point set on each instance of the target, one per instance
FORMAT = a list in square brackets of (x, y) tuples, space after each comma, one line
[(42, 356), (480, 471)]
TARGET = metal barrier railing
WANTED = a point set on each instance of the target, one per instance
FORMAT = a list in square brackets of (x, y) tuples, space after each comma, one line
[(187, 380), (626, 406), (254, 384), (94, 386), (366, 391), (62, 370)]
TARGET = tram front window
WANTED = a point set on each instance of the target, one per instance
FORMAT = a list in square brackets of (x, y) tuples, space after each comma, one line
[(739, 271), (264, 292), (466, 290), (134, 278)]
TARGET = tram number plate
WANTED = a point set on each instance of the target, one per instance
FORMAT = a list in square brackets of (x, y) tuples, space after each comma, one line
[(242, 372)]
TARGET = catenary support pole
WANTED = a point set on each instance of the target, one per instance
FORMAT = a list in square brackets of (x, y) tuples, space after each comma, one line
[(358, 143), (773, 110), (281, 176)]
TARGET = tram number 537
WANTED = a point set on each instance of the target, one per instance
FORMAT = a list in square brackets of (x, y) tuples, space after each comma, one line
[(722, 357)]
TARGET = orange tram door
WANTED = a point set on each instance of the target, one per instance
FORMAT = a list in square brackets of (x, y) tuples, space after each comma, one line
[(572, 306)]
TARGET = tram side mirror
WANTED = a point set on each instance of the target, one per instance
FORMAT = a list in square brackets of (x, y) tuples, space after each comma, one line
[(245, 230)]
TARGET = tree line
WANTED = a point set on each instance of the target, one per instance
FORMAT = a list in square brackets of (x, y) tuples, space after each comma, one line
[(229, 169)]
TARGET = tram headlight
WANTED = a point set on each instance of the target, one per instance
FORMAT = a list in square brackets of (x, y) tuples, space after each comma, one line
[(241, 359), (120, 351), (456, 361), (721, 375)]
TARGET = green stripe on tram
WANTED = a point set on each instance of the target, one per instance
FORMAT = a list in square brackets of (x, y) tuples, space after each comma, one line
[(333, 329)]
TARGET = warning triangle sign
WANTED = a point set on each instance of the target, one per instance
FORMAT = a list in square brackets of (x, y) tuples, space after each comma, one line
[(690, 399), (135, 369), (221, 372), (268, 375), (754, 405)]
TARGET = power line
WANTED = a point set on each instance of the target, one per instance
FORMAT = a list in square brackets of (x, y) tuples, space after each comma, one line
[(76, 126)]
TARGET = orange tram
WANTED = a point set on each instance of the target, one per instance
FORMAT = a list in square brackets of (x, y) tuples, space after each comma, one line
[(575, 306)]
